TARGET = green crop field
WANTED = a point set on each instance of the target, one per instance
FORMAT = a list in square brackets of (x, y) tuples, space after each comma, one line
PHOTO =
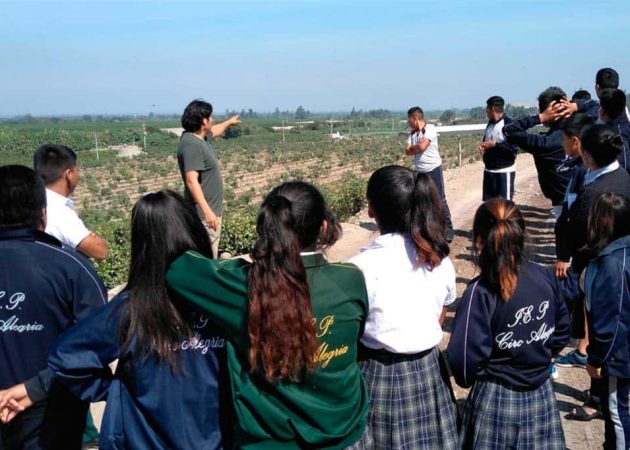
[(253, 162)]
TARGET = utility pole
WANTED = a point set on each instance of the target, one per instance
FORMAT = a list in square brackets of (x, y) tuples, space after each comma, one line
[(282, 130), (144, 132), (96, 143)]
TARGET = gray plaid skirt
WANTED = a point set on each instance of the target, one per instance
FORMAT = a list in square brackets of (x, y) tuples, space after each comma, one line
[(497, 416), (411, 406)]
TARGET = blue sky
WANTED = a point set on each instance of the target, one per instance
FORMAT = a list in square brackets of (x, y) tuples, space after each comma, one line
[(127, 56)]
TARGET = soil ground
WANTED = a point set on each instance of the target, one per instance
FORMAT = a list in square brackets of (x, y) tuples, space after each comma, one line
[(463, 185)]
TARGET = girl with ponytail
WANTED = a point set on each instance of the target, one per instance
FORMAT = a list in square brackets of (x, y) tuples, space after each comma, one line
[(608, 312), (292, 322), (410, 282), (511, 320)]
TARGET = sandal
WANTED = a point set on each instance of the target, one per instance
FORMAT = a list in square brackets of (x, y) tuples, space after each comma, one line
[(580, 414)]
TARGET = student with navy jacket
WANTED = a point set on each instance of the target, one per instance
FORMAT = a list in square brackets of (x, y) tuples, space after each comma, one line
[(571, 142), (499, 156), (44, 290), (546, 148), (510, 322), (164, 393), (612, 112), (608, 311)]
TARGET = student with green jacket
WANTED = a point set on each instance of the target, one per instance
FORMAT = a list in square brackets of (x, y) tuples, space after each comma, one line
[(293, 322)]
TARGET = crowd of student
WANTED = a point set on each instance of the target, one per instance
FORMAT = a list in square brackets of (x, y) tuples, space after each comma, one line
[(287, 350)]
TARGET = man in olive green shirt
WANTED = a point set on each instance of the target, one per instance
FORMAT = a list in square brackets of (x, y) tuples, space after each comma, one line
[(199, 165)]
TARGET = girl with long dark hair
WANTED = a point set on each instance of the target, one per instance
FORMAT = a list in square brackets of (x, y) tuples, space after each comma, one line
[(410, 282), (511, 319), (607, 292), (164, 392), (292, 322)]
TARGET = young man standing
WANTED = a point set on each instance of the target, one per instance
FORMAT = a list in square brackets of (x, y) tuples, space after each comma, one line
[(498, 155), (422, 144), (44, 290), (199, 166), (58, 167), (546, 148)]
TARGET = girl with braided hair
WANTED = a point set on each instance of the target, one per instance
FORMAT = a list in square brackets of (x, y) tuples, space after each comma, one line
[(511, 320)]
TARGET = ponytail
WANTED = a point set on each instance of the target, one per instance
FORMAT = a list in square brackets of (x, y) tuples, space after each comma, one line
[(602, 144), (281, 326), (427, 223), (499, 242)]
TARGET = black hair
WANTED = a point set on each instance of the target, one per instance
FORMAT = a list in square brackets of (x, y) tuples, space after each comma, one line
[(193, 115), (415, 110), (549, 95), (581, 94), (498, 243), (281, 326), (602, 144), (576, 124), (608, 220), (52, 160), (163, 226), (607, 78), (408, 203), (613, 102), (496, 103), (22, 198)]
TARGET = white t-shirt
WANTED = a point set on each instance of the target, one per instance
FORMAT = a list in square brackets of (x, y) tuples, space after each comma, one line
[(405, 302), (430, 158), (62, 221)]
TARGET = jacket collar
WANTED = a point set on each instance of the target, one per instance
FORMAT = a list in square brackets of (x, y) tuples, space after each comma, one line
[(28, 234), (618, 244), (313, 260)]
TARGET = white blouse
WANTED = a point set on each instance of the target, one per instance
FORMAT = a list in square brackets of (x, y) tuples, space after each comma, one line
[(405, 302)]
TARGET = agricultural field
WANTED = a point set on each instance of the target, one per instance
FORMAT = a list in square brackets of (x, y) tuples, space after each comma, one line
[(253, 162)]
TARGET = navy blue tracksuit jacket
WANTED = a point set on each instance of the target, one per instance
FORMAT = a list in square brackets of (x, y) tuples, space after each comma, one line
[(149, 405), (44, 290), (548, 155), (607, 287), (512, 341)]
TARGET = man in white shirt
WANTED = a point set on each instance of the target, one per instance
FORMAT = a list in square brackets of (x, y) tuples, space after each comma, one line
[(58, 167), (422, 144)]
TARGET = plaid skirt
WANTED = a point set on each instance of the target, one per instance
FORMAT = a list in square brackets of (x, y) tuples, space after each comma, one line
[(496, 416), (411, 405)]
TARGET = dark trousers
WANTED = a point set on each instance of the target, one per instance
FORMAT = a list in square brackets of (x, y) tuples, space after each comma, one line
[(498, 185), (56, 424), (438, 178), (614, 402)]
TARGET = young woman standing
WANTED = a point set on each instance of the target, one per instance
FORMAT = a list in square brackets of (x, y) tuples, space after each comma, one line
[(164, 393), (292, 322), (410, 282), (608, 313), (509, 323)]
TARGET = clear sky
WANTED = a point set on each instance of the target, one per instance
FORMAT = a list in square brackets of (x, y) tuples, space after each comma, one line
[(327, 55)]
